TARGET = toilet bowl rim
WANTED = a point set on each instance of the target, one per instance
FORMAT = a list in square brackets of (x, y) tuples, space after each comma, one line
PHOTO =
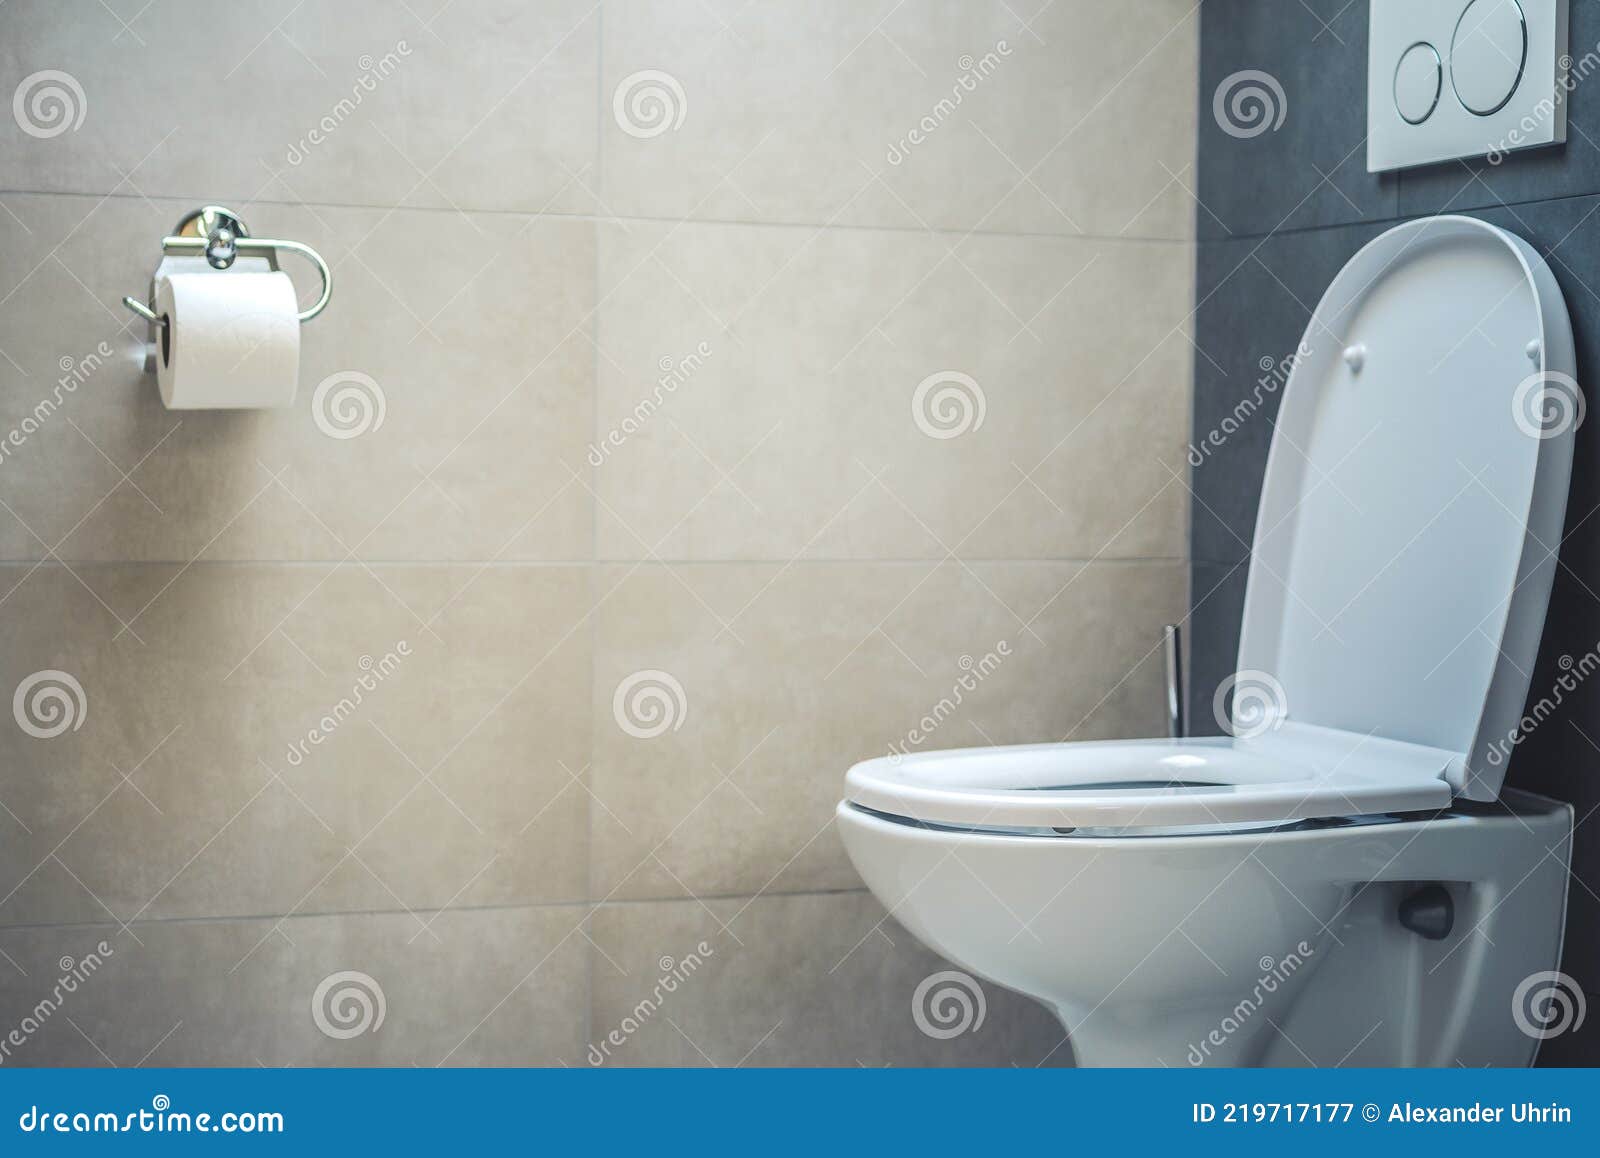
[(1155, 838), (1137, 833)]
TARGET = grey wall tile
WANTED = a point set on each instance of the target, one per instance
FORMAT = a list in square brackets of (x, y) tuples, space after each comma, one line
[(471, 330), (453, 770), (773, 680), (1255, 297), (817, 980), (1311, 169), (804, 112), (485, 106), (825, 417), (474, 987), (1216, 608), (225, 573), (1555, 756)]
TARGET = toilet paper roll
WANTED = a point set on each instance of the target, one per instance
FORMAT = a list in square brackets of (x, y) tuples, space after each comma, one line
[(231, 342), (172, 263)]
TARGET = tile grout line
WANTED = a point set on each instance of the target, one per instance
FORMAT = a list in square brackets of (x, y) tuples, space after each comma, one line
[(621, 218), (1397, 218), (533, 564), (592, 906), (590, 949)]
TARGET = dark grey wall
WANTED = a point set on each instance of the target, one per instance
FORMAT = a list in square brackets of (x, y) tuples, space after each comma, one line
[(1279, 215)]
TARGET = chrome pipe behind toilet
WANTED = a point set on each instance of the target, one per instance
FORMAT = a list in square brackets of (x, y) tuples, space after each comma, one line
[(1173, 648)]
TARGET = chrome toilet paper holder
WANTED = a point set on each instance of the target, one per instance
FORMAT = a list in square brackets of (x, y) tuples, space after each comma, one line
[(218, 233)]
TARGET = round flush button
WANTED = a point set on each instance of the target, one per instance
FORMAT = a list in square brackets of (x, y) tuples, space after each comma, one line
[(1487, 54), (1417, 80)]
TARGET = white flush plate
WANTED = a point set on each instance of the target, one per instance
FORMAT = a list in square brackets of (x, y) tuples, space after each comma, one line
[(1464, 78)]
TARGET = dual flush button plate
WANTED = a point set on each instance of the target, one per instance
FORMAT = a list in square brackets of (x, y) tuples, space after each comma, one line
[(1464, 78)]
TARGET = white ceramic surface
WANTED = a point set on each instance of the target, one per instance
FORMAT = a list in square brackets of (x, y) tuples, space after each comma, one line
[(1411, 508), (1294, 772), (1146, 945)]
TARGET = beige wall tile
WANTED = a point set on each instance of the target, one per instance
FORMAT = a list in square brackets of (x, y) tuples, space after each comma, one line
[(792, 419), (488, 105), (472, 327), (226, 573), (475, 987), (455, 773), (782, 677), (814, 980), (1074, 118)]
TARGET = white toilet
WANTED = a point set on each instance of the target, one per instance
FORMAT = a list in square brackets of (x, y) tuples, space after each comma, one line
[(1341, 880)]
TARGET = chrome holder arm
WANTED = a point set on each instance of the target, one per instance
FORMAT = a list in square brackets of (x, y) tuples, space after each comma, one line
[(226, 237), (143, 311)]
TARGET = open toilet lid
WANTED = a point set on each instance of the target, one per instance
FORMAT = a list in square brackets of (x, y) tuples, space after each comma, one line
[(1414, 497)]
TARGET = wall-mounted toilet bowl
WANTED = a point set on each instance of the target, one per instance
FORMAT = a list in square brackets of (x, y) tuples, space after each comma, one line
[(1192, 946), (1338, 881)]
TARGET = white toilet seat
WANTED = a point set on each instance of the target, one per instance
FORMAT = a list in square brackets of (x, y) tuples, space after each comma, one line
[(1296, 772)]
